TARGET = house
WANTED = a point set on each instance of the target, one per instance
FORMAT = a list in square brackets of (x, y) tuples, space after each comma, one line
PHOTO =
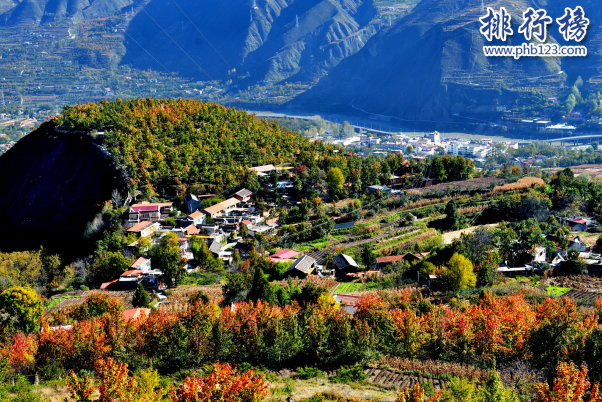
[(136, 313), (283, 256), (217, 248), (197, 218), (222, 208), (192, 202), (150, 211), (144, 228), (345, 264), (264, 229), (577, 244), (243, 195), (302, 267), (382, 262), (348, 302), (378, 189), (540, 255), (141, 263), (578, 224), (243, 249), (263, 169)]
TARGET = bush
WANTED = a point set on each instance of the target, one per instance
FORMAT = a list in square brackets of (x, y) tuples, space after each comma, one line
[(349, 374), (309, 372)]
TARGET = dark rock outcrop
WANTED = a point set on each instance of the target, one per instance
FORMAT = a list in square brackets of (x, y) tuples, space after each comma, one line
[(51, 185)]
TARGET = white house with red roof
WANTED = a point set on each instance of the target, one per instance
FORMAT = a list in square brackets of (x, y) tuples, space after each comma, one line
[(150, 211)]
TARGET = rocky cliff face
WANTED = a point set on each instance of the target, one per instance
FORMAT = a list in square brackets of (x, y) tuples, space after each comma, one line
[(430, 64), (272, 40), (51, 186)]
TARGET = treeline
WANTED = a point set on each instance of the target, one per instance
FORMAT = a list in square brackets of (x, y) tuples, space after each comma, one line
[(399, 323)]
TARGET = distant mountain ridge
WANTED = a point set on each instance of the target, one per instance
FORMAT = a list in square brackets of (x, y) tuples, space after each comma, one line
[(430, 64), (29, 12), (272, 40)]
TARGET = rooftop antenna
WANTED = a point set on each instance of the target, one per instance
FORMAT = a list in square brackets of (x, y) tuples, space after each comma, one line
[(482, 5), (389, 20), (251, 15), (297, 23)]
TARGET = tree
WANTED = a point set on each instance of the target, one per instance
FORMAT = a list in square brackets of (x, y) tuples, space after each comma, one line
[(410, 149), (244, 231), (261, 288), (21, 309), (335, 178), (494, 390), (488, 269), (367, 256), (141, 297), (453, 217), (166, 258), (458, 273), (225, 384), (109, 265), (570, 384), (595, 145)]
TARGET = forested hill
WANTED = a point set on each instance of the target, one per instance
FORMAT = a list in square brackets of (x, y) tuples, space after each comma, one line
[(430, 64), (168, 145), (268, 39)]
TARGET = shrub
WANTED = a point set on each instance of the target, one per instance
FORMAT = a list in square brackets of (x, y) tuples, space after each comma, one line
[(309, 372), (349, 374)]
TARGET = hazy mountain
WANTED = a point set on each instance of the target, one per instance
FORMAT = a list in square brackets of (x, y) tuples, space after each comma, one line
[(269, 39), (430, 64), (42, 11)]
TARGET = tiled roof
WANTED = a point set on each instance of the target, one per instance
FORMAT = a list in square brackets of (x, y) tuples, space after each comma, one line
[(216, 247), (244, 193), (145, 208), (132, 272), (343, 261), (135, 313), (285, 254), (230, 202), (140, 226), (152, 204), (195, 215), (139, 261), (391, 258), (264, 168), (302, 264)]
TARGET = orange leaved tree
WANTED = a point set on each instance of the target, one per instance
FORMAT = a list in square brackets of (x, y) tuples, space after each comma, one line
[(570, 384), (223, 384), (416, 394)]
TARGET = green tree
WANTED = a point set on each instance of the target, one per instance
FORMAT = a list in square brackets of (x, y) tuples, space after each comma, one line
[(167, 258), (410, 149), (488, 269), (458, 273), (335, 178), (109, 265), (21, 309), (261, 288), (141, 297), (494, 390), (367, 256), (453, 217)]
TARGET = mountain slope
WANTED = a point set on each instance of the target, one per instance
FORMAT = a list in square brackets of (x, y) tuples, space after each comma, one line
[(43, 11), (260, 37), (430, 64)]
